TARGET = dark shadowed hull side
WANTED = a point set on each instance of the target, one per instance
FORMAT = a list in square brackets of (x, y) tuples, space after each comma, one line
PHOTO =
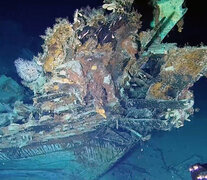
[(85, 156)]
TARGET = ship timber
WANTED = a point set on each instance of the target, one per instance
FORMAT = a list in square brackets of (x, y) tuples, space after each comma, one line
[(101, 86)]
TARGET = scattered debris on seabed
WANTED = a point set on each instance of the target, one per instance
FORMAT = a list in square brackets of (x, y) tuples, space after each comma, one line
[(101, 85)]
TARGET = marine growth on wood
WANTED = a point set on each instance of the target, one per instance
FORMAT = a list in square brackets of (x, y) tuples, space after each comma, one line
[(103, 76)]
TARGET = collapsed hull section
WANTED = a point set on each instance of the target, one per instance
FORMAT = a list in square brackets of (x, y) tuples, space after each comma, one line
[(85, 156)]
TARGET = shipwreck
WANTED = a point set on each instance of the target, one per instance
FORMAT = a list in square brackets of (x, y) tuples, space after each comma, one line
[(101, 86)]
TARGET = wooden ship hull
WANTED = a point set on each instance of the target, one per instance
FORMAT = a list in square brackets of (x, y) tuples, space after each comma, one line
[(85, 156), (100, 86)]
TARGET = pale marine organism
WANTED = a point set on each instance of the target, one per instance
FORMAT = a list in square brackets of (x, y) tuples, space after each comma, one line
[(28, 70), (110, 7)]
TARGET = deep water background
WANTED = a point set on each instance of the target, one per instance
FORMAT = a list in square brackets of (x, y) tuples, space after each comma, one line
[(167, 155)]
